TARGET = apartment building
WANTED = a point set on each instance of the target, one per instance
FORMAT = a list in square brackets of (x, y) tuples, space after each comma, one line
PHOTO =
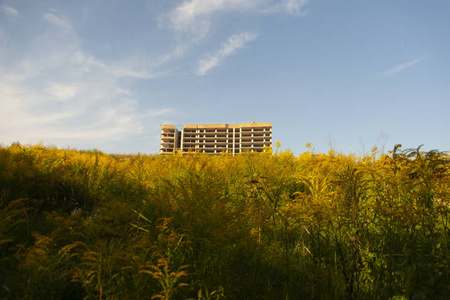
[(216, 138)]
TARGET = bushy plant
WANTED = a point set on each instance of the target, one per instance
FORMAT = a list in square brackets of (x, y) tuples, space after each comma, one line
[(88, 225)]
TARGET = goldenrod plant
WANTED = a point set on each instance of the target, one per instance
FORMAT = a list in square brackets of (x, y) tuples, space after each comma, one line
[(271, 225)]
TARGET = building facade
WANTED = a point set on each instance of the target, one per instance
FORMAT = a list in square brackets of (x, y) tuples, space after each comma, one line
[(216, 138)]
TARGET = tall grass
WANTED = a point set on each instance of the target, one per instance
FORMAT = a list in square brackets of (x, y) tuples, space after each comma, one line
[(88, 225)]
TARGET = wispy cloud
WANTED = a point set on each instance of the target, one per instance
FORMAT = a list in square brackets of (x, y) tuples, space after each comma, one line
[(9, 10), (195, 14), (120, 71), (58, 21), (403, 66), (58, 92), (292, 7), (93, 112), (191, 20), (159, 112), (125, 69), (234, 43), (62, 92)]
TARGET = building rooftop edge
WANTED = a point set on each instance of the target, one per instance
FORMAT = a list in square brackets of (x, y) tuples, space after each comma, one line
[(167, 127), (222, 125)]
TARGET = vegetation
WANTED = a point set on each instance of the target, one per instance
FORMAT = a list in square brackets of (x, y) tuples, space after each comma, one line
[(87, 225)]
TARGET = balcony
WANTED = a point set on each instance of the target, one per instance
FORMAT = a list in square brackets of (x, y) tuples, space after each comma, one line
[(167, 145)]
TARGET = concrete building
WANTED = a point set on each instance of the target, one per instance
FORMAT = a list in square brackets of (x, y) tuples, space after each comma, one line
[(216, 138)]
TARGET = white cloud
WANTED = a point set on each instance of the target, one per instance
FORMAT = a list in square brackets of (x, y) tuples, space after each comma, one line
[(97, 112), (292, 7), (60, 22), (56, 92), (403, 66), (62, 91), (234, 43), (195, 14), (123, 92), (9, 10), (89, 63), (159, 112), (191, 22), (193, 18), (127, 72)]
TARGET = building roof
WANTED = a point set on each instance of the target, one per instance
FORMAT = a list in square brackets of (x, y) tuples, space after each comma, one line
[(225, 126), (167, 127)]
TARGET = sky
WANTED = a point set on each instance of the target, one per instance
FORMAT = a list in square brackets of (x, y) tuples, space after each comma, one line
[(105, 74)]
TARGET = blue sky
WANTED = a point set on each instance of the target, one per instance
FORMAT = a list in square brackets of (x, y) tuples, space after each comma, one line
[(344, 74)]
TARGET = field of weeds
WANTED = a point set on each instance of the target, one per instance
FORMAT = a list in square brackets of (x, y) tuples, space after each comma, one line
[(88, 225)]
